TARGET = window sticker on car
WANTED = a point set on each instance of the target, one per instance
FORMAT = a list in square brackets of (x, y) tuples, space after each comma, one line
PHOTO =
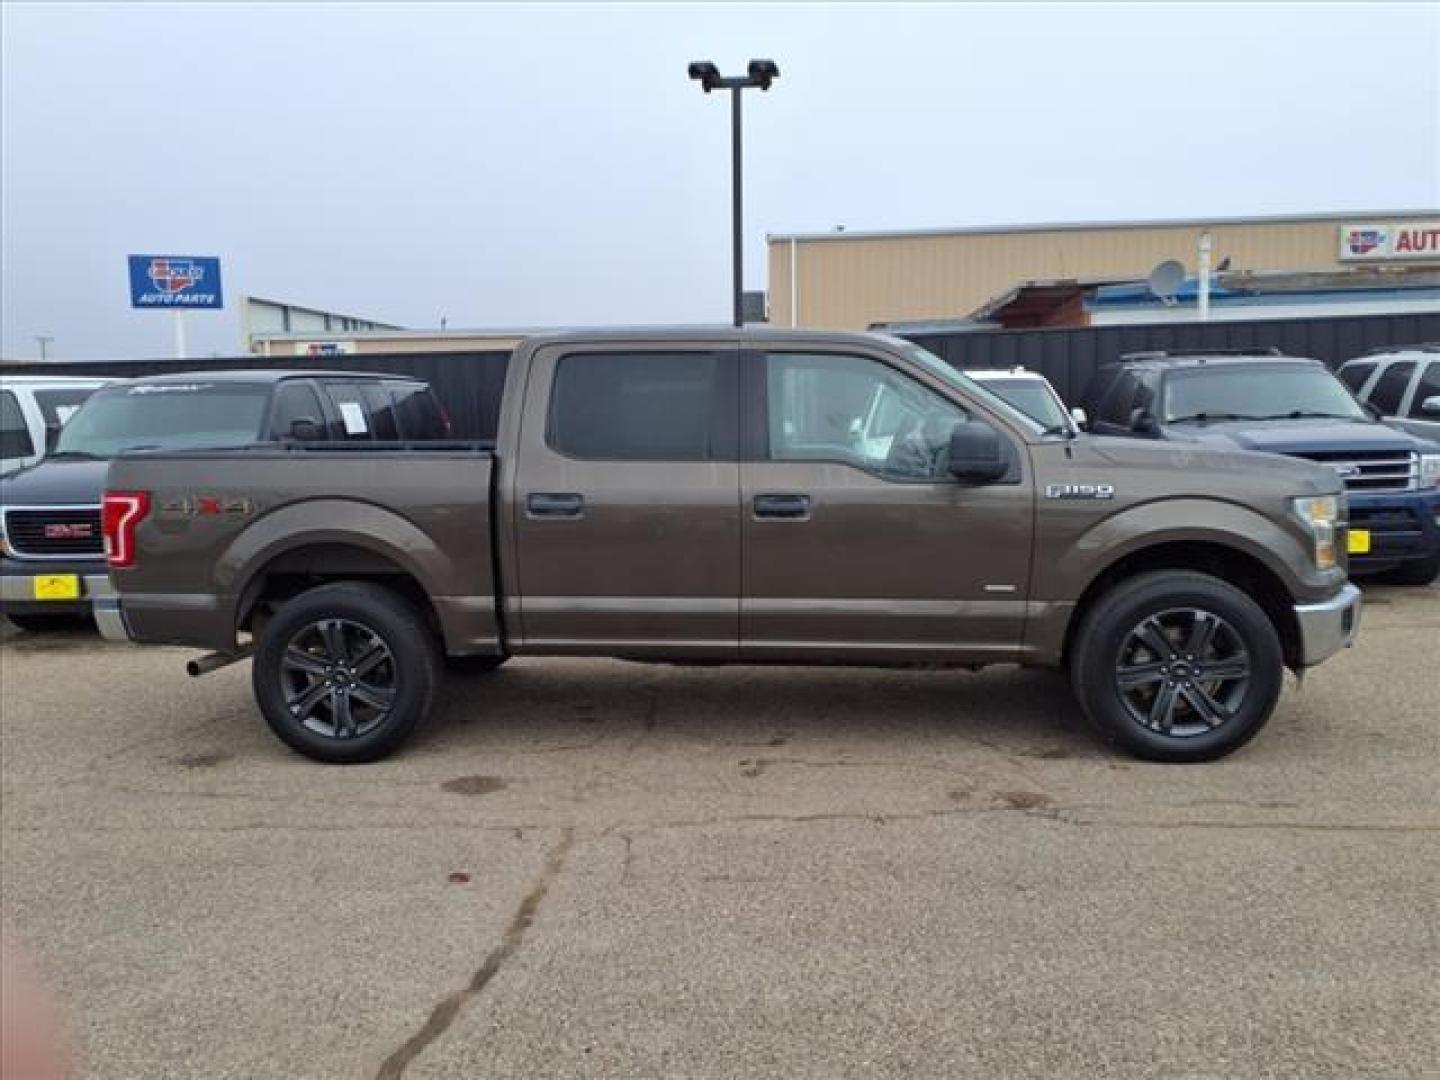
[(354, 416)]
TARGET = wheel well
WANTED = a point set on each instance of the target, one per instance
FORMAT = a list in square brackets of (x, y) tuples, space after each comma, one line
[(1242, 570), (293, 572)]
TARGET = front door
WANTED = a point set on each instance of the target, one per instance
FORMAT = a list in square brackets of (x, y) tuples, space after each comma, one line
[(626, 503), (857, 542)]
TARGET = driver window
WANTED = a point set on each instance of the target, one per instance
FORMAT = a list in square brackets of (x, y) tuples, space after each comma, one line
[(860, 412)]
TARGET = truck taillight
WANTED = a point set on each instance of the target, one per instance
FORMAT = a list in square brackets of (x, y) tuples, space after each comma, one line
[(121, 511)]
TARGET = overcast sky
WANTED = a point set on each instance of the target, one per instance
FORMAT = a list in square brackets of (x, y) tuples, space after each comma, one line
[(534, 165)]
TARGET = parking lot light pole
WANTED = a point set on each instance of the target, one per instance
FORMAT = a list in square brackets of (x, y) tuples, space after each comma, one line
[(760, 73)]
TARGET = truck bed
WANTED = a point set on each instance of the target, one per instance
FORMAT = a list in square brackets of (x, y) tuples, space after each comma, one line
[(244, 523)]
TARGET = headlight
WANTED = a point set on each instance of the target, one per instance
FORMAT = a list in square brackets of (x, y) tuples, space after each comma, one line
[(1320, 514), (1429, 470)]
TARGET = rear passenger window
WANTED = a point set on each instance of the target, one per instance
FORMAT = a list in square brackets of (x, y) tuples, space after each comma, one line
[(634, 406), (295, 401), (1354, 375), (380, 411), (352, 414), (1390, 388), (57, 406), (417, 413), (14, 435), (1115, 408), (1428, 387)]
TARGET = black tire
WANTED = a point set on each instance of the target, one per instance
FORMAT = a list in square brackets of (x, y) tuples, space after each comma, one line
[(1166, 710), (320, 685), (1413, 573), (474, 665), (50, 622)]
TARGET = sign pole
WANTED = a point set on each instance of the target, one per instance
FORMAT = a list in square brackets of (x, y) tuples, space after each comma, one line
[(179, 333)]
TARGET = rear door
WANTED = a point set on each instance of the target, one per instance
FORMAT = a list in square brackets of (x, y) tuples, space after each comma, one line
[(1420, 420), (626, 502), (857, 541)]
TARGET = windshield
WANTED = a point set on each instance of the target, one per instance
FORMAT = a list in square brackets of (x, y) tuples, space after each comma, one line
[(1033, 398), (943, 371), (171, 416), (1261, 392)]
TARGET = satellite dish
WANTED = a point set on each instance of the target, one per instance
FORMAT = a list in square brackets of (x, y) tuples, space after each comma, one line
[(1165, 280)]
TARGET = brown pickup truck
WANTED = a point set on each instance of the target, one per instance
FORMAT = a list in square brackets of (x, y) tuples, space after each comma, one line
[(749, 497)]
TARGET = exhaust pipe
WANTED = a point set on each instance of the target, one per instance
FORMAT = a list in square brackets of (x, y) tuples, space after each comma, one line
[(203, 665)]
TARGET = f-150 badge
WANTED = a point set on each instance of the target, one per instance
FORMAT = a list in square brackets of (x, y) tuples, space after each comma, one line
[(1079, 491)]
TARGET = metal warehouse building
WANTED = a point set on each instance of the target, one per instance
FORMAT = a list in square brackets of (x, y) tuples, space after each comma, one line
[(851, 280)]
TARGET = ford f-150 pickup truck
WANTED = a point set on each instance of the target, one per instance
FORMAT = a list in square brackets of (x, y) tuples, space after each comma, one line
[(736, 496)]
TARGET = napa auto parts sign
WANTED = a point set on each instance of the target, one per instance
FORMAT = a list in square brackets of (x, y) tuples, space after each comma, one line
[(1390, 241), (175, 281)]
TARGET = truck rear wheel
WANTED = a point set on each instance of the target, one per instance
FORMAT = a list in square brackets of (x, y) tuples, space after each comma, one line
[(345, 672), (1177, 666)]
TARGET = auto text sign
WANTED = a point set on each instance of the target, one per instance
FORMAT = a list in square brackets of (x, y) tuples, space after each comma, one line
[(1390, 241), (175, 281)]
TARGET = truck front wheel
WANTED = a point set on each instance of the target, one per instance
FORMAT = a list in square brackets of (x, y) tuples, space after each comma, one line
[(345, 672), (1177, 666)]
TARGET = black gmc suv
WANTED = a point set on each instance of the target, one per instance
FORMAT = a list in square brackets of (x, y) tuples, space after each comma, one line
[(52, 560)]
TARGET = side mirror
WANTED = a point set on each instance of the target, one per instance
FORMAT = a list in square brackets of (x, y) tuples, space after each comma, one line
[(1431, 405), (1371, 411), (1078, 415), (976, 452), (305, 429), (1142, 422)]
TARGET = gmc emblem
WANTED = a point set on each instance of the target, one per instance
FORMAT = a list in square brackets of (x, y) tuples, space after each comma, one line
[(80, 531)]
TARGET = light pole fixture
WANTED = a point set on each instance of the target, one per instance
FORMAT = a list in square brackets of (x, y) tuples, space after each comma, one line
[(760, 73)]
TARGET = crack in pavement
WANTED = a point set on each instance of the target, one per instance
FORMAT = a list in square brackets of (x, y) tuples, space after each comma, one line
[(443, 1015)]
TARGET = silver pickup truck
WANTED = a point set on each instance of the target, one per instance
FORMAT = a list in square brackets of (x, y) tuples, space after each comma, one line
[(750, 496)]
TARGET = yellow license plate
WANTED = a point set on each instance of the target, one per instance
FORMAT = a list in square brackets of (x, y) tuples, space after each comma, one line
[(57, 587), (1359, 543)]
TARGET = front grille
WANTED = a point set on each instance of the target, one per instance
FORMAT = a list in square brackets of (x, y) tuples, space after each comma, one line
[(54, 532), (1388, 470)]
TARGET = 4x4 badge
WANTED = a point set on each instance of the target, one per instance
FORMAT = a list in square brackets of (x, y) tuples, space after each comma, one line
[(1079, 491)]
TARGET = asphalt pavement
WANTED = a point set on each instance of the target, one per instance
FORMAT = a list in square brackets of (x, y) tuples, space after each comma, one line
[(599, 869)]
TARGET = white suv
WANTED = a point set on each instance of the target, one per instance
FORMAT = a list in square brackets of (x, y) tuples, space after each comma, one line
[(33, 408), (1402, 384), (1031, 393)]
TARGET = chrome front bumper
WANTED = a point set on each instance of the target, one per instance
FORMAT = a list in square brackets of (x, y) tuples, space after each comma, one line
[(20, 588), (96, 591), (1329, 626)]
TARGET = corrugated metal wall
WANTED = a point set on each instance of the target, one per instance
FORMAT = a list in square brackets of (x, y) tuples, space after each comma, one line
[(470, 384), (1068, 357)]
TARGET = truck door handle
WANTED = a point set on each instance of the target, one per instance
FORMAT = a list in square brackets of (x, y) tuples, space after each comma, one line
[(550, 504), (783, 507)]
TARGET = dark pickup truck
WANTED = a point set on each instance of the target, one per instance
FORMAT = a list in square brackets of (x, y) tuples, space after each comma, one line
[(1288, 405), (52, 563), (744, 497)]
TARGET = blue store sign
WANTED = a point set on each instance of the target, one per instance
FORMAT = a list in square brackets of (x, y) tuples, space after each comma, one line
[(175, 281)]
